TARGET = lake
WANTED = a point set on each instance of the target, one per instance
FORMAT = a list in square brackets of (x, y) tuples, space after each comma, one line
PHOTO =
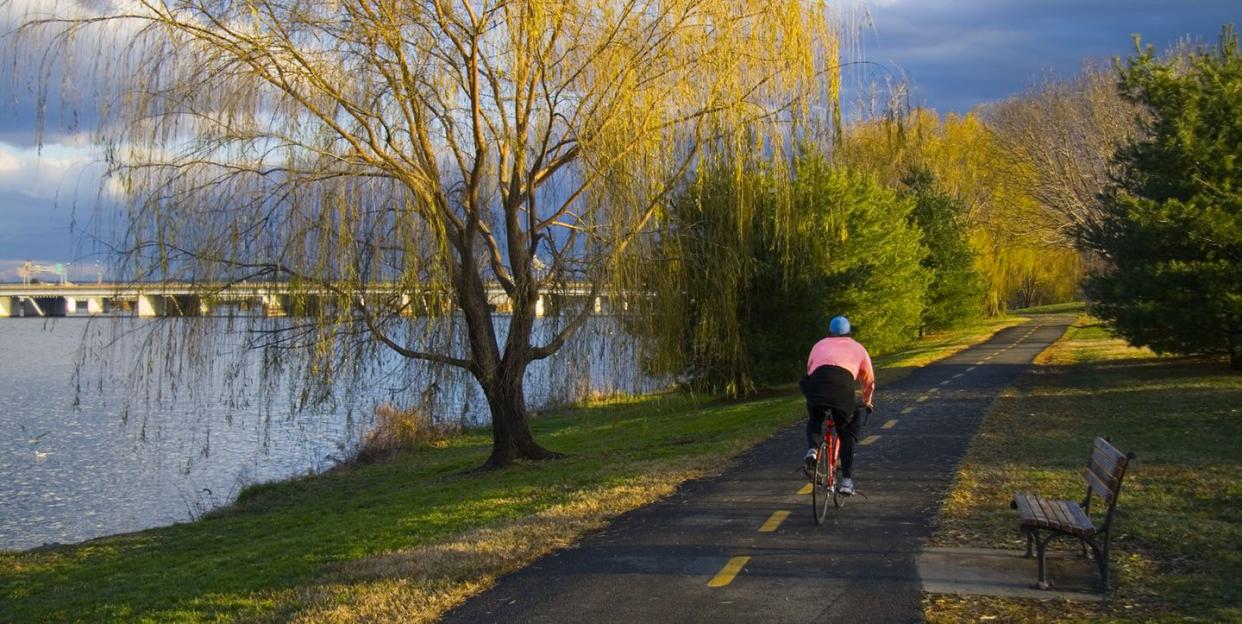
[(88, 455)]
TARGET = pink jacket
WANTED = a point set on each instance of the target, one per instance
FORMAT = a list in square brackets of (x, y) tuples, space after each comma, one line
[(846, 353)]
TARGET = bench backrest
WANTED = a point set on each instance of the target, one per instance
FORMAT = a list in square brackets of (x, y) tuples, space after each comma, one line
[(1105, 470)]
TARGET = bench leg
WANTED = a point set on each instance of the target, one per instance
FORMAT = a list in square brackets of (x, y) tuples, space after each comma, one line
[(1041, 548), (1101, 562), (1030, 542)]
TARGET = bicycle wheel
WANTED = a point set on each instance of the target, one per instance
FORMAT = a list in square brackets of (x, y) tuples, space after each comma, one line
[(823, 485), (838, 499)]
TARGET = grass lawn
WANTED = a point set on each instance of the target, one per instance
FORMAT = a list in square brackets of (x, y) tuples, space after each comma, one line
[(405, 540), (1053, 308), (1177, 543)]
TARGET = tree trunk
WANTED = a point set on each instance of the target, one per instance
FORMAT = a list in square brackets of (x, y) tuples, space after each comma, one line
[(1235, 356), (511, 437)]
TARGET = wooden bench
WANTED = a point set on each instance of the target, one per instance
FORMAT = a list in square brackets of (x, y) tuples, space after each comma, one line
[(1043, 520)]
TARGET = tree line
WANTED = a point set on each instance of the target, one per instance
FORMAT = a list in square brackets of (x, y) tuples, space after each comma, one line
[(1119, 185), (686, 158)]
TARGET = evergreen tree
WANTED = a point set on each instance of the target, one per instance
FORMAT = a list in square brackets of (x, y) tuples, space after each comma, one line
[(955, 294), (1172, 228), (859, 255)]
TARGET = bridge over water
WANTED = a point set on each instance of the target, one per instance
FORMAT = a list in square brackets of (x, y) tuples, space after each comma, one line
[(258, 298)]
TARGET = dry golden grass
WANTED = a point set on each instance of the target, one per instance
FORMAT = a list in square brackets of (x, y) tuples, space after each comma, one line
[(1088, 341), (421, 584), (397, 429)]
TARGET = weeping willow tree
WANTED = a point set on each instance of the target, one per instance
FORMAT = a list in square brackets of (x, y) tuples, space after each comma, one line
[(1014, 238), (383, 157)]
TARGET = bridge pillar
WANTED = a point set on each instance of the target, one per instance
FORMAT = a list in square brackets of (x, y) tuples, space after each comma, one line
[(500, 303), (7, 308), (150, 306), (407, 306), (539, 310), (274, 305), (94, 305)]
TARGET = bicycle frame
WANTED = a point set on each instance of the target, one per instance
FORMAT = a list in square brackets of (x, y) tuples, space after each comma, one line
[(824, 478), (834, 448)]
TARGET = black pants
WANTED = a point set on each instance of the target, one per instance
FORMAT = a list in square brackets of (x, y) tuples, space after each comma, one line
[(848, 428)]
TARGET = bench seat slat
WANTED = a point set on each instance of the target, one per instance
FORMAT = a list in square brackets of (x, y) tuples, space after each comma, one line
[(1058, 515)]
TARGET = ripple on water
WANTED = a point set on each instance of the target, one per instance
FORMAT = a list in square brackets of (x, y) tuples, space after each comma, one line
[(73, 474)]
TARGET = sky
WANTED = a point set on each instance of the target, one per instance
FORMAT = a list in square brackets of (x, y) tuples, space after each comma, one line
[(956, 54)]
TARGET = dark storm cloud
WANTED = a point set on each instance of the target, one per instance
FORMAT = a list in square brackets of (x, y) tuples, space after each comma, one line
[(33, 227), (959, 54)]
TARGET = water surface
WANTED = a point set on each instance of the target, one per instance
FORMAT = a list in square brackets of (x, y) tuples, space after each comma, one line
[(90, 455)]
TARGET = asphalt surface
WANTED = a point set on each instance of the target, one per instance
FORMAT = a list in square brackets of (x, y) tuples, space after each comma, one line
[(671, 561)]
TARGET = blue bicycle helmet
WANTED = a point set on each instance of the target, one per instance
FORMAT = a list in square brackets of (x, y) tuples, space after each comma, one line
[(839, 326)]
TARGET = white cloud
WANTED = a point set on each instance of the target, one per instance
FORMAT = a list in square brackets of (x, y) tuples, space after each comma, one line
[(56, 170)]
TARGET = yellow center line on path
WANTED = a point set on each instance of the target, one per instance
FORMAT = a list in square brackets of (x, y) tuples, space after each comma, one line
[(922, 397), (958, 375), (774, 521), (806, 489), (728, 572), (889, 425), (869, 440), (945, 382), (970, 369), (908, 410), (980, 362)]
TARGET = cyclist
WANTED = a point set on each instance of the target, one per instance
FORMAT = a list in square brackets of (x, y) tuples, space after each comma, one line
[(834, 365)]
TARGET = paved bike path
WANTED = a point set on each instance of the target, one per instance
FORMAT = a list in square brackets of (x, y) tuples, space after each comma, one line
[(655, 564)]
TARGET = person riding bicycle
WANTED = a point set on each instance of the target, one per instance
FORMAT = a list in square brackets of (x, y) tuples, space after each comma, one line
[(832, 368)]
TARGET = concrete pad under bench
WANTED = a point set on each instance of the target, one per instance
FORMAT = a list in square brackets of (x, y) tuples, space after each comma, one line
[(1006, 573)]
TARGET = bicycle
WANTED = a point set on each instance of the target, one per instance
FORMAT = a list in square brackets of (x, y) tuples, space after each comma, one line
[(824, 479)]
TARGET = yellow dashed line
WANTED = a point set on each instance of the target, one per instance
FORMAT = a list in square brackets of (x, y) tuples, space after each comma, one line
[(970, 369), (958, 375), (728, 572), (869, 440), (774, 521), (889, 425), (980, 362), (806, 489), (945, 382), (908, 410)]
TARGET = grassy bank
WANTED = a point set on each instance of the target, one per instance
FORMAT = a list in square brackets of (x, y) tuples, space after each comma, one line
[(1177, 547), (406, 539)]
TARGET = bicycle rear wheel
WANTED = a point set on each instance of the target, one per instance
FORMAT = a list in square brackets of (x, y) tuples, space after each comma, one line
[(823, 483), (838, 499)]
